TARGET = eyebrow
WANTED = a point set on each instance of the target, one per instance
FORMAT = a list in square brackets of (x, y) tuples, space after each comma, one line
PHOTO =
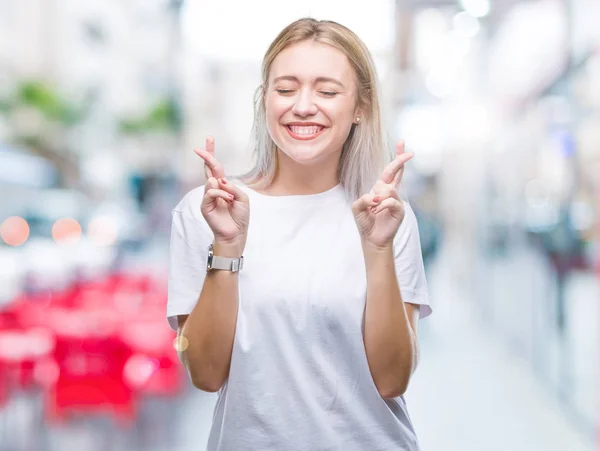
[(318, 79)]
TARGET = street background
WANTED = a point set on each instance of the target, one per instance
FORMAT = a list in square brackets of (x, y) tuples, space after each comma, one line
[(101, 104)]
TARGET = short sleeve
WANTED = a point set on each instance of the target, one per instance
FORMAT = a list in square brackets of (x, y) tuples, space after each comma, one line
[(188, 253), (409, 263)]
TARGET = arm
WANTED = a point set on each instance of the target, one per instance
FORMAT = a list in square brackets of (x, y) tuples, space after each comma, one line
[(207, 334), (390, 331), (390, 324), (209, 329)]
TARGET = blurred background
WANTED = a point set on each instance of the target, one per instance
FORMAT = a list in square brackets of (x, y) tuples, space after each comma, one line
[(101, 103)]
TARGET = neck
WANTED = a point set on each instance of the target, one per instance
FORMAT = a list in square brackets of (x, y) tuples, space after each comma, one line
[(292, 178)]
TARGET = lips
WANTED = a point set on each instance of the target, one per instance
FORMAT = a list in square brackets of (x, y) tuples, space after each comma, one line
[(304, 131)]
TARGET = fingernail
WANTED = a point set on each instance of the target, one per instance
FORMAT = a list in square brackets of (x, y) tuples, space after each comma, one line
[(377, 199), (223, 181), (231, 196)]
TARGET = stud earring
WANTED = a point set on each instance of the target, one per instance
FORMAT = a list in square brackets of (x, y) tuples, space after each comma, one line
[(358, 119)]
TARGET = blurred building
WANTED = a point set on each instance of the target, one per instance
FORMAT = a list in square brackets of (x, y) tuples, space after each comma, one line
[(115, 62), (499, 100)]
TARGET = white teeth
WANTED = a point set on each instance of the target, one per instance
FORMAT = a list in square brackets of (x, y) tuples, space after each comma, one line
[(305, 130)]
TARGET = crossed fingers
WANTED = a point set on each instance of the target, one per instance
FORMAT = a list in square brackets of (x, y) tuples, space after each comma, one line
[(212, 167), (393, 172)]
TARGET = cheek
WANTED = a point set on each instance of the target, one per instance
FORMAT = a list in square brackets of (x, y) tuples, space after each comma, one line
[(340, 115), (276, 107), (341, 110)]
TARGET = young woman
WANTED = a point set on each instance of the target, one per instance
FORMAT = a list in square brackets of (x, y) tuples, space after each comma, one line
[(296, 289)]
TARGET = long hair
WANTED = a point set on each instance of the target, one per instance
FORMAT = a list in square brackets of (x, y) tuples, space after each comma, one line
[(364, 152)]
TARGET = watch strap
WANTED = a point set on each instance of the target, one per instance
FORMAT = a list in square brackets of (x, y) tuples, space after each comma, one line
[(223, 263), (226, 263)]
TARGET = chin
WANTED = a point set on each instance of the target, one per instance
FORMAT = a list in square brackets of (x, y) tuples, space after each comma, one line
[(305, 153)]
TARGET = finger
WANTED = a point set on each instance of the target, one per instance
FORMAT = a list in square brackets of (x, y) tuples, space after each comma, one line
[(213, 194), (394, 206), (211, 183), (390, 173), (394, 166), (210, 148), (385, 190), (215, 167), (233, 189), (400, 150), (207, 171), (210, 145), (365, 202)]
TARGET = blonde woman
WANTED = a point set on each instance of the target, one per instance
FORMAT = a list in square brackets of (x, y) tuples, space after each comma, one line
[(296, 289)]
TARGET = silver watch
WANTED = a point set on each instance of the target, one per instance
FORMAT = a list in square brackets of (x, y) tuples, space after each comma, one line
[(225, 263)]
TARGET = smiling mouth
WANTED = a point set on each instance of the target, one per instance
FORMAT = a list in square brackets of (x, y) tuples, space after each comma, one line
[(304, 132)]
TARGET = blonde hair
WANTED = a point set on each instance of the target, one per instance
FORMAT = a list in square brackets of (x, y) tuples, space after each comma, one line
[(364, 152)]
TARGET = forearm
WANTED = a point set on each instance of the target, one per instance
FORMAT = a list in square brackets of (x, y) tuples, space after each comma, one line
[(390, 342), (210, 328)]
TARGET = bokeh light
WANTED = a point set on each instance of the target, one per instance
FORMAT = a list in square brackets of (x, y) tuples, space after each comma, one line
[(180, 343), (466, 24), (102, 230), (139, 369), (46, 372), (14, 231), (477, 8), (66, 231)]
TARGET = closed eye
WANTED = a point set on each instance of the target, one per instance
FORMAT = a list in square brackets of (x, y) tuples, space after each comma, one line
[(325, 93)]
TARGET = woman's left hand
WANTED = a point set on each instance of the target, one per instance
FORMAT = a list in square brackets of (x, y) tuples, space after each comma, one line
[(379, 213)]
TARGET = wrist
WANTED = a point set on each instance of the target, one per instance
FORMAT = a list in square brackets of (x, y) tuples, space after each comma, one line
[(377, 248), (231, 249)]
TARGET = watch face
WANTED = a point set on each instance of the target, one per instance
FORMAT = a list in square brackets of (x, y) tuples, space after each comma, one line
[(210, 258)]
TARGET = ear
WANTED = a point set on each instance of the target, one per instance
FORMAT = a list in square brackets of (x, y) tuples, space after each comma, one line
[(357, 116)]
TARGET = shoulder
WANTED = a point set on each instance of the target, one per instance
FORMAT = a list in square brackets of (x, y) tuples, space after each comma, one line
[(408, 211), (188, 223), (187, 216), (189, 205), (409, 224)]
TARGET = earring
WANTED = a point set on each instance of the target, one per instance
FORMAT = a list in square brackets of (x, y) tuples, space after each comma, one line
[(358, 119)]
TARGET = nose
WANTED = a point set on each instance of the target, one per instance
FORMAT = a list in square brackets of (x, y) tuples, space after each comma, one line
[(304, 105)]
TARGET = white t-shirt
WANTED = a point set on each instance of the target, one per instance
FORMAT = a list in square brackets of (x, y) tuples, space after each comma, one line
[(299, 378)]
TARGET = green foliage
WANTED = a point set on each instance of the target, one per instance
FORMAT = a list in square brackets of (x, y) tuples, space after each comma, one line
[(164, 116), (39, 95)]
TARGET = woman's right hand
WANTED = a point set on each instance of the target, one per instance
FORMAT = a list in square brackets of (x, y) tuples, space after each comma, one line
[(225, 206)]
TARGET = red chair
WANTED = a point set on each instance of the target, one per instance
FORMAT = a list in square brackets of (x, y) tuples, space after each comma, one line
[(90, 359), (95, 346)]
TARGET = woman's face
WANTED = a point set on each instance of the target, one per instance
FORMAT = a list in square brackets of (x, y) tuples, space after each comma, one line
[(311, 101)]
